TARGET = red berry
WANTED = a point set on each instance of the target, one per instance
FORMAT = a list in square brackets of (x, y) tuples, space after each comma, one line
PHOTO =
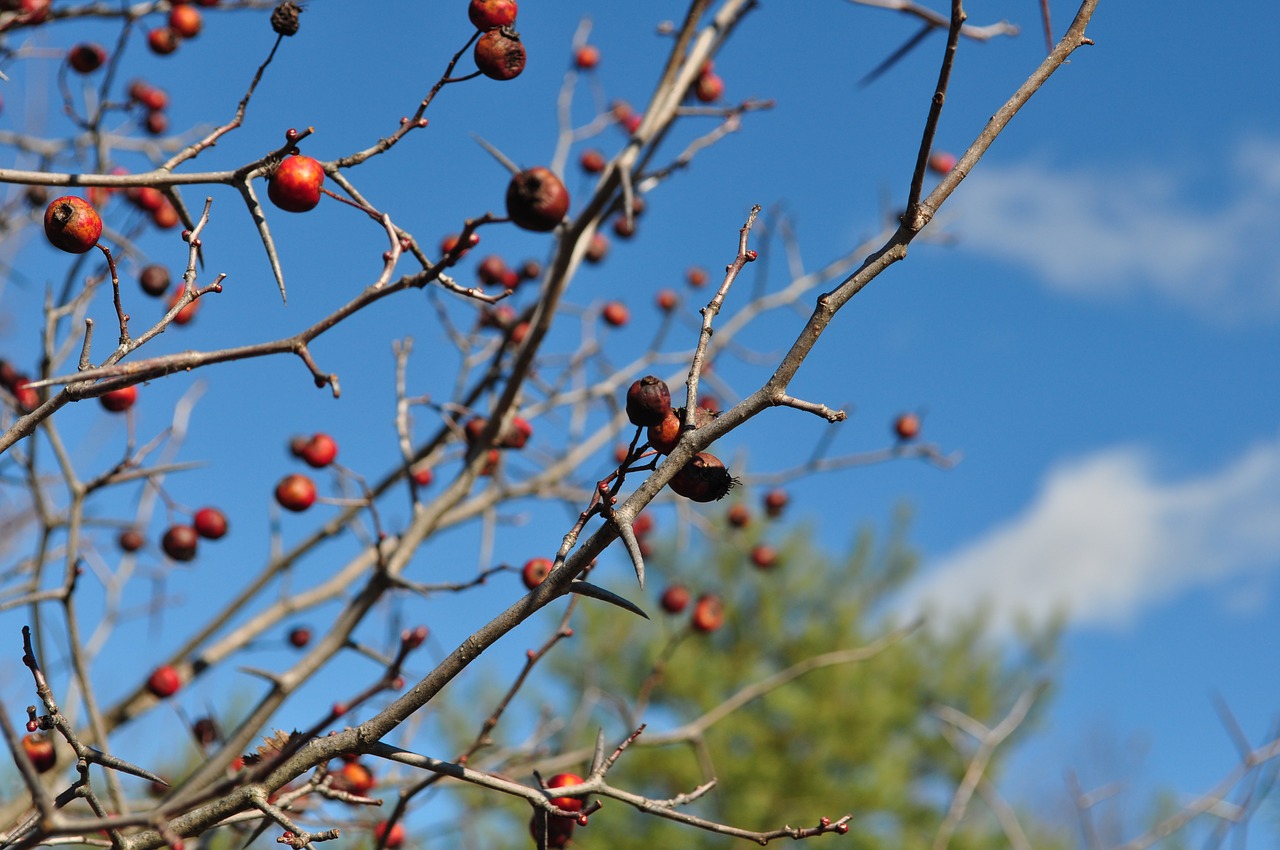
[(210, 523), (703, 479), (156, 123), (615, 313), (530, 270), (708, 614), (564, 780), (423, 476), (623, 227), (941, 162), (86, 58), (537, 200), (151, 98), (131, 540), (500, 54), (535, 571), (643, 524), (675, 598), (667, 300), (664, 436), (597, 248), (146, 198), (587, 57), (491, 462), (696, 276), (179, 542), (166, 216), (648, 401), (491, 270), (162, 41), (774, 502), (295, 184), (299, 637), (592, 161), (708, 88), (296, 492), (187, 313), (154, 280), (739, 516), (907, 426), (389, 839), (118, 401), (72, 224), (491, 14), (354, 778), (164, 682), (185, 21), (319, 451), (39, 749), (559, 831), (764, 556)]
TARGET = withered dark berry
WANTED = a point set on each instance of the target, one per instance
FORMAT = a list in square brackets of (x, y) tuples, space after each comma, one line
[(648, 401), (499, 54), (537, 199), (703, 479), (284, 18)]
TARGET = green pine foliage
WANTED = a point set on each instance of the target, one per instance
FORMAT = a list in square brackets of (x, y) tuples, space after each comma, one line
[(855, 738)]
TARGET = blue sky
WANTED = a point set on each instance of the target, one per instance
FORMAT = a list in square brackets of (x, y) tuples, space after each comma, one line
[(1097, 333)]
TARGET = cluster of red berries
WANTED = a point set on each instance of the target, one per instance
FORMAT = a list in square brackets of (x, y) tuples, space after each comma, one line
[(184, 22), (153, 101), (16, 383), (155, 204), (504, 318), (297, 492), (179, 540), (499, 53), (494, 271), (704, 478)]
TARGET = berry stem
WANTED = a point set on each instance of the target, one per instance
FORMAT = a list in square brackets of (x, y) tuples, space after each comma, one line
[(115, 291)]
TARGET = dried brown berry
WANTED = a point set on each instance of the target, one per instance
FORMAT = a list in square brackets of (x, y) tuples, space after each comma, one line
[(703, 479), (284, 19), (499, 54), (154, 280), (648, 401), (537, 199)]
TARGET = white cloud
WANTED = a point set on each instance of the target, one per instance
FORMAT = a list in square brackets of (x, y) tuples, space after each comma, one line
[(1141, 229), (1104, 540)]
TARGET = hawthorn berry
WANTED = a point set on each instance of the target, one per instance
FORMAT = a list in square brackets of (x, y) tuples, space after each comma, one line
[(491, 14), (739, 516), (391, 839), (597, 248), (664, 436), (319, 451), (162, 41), (564, 780), (643, 524), (86, 58), (210, 523), (586, 57), (187, 313), (708, 614), (648, 401), (592, 161), (499, 54), (296, 492), (907, 426), (130, 540), (355, 778), (185, 21), (667, 300), (72, 224), (299, 637), (703, 479), (708, 88), (164, 682), (39, 749), (941, 162), (179, 542), (154, 280), (491, 270), (156, 123), (537, 200), (774, 502), (615, 313), (150, 97), (119, 400), (675, 599), (295, 184), (623, 227), (535, 572), (764, 556), (559, 831), (423, 476), (165, 216)]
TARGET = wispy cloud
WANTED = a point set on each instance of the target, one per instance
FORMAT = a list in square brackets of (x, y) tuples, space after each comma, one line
[(1105, 539), (1117, 233)]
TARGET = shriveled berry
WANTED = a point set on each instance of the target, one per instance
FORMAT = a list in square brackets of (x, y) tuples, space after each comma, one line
[(500, 54), (703, 479), (179, 542), (210, 523), (664, 436), (648, 401), (537, 199), (284, 18), (72, 224), (535, 571)]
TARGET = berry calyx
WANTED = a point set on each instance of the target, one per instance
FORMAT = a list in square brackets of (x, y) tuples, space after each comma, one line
[(210, 523), (491, 14), (179, 542), (535, 572), (648, 401), (295, 184), (708, 614), (675, 599), (72, 224), (499, 54), (119, 400), (537, 200), (703, 479), (164, 682), (296, 492)]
